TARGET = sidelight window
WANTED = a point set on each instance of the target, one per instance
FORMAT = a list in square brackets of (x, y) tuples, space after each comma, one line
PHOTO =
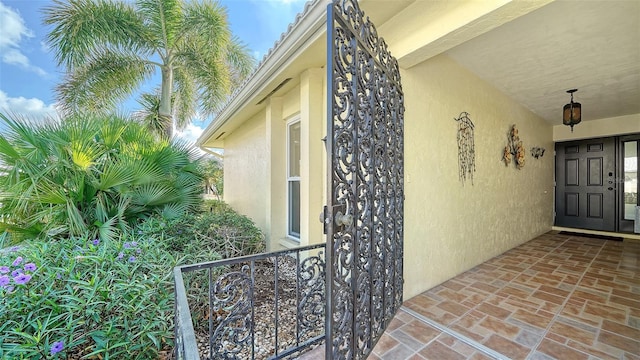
[(630, 178), (293, 179)]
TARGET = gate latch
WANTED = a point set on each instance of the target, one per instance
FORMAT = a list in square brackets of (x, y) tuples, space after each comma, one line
[(341, 217)]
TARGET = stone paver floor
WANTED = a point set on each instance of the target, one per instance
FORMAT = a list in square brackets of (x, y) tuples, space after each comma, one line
[(555, 297)]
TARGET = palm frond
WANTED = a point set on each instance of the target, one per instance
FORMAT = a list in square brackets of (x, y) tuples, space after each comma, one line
[(150, 117), (162, 18), (185, 99), (206, 18), (173, 211), (115, 174), (84, 28), (103, 81), (152, 195), (239, 60)]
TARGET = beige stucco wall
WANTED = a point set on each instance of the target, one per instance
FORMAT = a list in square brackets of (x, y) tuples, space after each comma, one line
[(245, 160), (451, 227), (291, 103), (627, 124)]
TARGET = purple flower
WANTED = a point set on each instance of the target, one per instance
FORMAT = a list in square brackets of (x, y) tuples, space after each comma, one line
[(14, 248), (127, 245), (132, 259), (58, 276), (139, 251), (10, 288), (17, 261), (4, 280), (134, 244), (120, 256), (96, 242), (57, 347), (22, 279), (4, 269), (30, 267), (16, 272)]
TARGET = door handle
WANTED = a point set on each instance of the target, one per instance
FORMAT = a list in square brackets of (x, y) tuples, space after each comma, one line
[(609, 188)]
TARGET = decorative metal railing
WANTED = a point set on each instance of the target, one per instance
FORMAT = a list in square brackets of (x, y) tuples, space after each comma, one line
[(263, 306)]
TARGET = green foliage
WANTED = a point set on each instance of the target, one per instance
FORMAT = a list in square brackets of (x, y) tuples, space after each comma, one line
[(213, 175), (217, 232), (110, 47), (109, 299), (93, 176)]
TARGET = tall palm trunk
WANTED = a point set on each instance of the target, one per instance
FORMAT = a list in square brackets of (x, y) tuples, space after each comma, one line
[(165, 100)]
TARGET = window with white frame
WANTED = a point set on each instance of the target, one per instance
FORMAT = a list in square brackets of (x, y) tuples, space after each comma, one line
[(293, 179)]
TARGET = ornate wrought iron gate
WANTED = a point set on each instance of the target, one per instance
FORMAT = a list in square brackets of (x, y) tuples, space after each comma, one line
[(364, 215)]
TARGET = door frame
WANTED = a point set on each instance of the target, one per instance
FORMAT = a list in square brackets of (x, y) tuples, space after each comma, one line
[(620, 225)]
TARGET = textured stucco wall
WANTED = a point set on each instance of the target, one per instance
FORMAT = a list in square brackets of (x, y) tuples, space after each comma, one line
[(451, 227), (626, 124), (245, 169), (291, 103)]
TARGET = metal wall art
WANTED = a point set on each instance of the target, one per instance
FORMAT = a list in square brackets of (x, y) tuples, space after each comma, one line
[(514, 149), (537, 152), (466, 148)]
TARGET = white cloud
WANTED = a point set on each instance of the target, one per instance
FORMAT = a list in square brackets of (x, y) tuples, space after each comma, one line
[(33, 108), (14, 31), (191, 133)]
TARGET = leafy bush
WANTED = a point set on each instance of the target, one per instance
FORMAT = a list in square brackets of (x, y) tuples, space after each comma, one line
[(90, 175), (85, 297), (217, 230), (111, 298)]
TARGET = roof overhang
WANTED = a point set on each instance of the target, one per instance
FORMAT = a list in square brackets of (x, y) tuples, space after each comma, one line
[(300, 47)]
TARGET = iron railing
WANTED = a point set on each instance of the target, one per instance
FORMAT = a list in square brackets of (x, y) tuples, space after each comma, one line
[(263, 306)]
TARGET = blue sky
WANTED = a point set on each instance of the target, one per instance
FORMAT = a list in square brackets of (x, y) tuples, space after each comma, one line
[(28, 73)]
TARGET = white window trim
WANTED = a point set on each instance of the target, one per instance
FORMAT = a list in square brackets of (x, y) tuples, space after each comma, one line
[(290, 122)]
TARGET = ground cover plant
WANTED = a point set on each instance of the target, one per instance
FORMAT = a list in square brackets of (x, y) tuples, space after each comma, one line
[(92, 298), (86, 297)]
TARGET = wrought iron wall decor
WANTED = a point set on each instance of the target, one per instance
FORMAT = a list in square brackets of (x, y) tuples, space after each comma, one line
[(466, 148), (514, 149), (537, 152), (364, 215)]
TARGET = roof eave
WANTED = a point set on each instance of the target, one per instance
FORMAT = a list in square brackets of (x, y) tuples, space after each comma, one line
[(300, 34)]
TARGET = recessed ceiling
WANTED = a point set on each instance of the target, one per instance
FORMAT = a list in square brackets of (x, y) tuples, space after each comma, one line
[(593, 46)]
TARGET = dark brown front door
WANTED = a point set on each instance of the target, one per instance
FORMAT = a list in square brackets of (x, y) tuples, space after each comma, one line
[(585, 184)]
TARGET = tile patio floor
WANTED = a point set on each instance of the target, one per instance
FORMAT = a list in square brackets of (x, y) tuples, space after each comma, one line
[(554, 297)]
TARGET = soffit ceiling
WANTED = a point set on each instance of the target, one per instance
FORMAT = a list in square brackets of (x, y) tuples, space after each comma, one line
[(593, 46)]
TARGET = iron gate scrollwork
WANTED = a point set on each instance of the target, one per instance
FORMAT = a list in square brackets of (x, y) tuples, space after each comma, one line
[(365, 184)]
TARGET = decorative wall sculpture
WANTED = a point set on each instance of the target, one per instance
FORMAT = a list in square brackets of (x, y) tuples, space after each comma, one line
[(514, 149), (537, 152), (466, 148)]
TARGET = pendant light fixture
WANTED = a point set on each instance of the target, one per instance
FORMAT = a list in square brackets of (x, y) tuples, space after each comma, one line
[(572, 112)]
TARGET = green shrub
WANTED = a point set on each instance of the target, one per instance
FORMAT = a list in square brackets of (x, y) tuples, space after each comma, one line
[(112, 298), (218, 229), (109, 299), (91, 175)]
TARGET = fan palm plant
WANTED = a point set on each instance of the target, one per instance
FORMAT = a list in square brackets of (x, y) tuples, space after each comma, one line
[(110, 47), (91, 176)]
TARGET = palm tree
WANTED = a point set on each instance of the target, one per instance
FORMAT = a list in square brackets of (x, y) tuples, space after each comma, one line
[(110, 47), (91, 175), (149, 115)]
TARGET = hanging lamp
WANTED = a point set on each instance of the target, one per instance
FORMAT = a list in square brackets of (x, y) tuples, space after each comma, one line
[(572, 112)]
